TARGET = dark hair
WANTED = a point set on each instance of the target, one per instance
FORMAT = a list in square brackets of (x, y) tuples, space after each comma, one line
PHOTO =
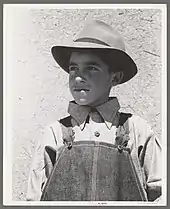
[(109, 57)]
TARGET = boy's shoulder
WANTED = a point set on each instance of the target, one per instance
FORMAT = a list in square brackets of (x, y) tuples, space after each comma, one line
[(140, 127), (53, 131), (139, 120), (55, 127), (66, 120), (134, 118), (138, 123)]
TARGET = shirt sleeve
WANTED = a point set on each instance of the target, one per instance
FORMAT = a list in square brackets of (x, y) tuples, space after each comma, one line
[(152, 167), (37, 177), (149, 152)]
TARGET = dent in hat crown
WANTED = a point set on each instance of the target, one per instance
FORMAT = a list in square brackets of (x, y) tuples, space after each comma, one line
[(99, 32)]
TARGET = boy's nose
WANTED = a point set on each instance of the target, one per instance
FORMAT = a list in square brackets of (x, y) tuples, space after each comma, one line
[(79, 79)]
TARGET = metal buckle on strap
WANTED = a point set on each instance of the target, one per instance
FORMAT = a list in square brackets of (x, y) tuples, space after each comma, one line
[(69, 144), (122, 146)]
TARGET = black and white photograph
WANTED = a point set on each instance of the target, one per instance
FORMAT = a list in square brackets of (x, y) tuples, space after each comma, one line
[(85, 104)]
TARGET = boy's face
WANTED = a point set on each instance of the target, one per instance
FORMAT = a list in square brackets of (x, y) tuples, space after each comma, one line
[(89, 79)]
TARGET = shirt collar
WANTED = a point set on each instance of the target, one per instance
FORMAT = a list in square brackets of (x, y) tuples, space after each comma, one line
[(108, 112)]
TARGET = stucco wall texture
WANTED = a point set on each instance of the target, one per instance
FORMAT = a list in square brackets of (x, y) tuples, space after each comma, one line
[(39, 87)]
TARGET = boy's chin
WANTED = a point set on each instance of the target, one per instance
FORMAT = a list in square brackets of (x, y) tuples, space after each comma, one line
[(82, 101)]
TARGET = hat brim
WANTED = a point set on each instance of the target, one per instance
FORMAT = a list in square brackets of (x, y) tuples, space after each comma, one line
[(61, 54)]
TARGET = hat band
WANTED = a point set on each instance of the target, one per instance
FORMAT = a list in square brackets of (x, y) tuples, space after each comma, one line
[(91, 40)]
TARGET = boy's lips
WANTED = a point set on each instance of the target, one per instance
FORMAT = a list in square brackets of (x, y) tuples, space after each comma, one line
[(81, 89)]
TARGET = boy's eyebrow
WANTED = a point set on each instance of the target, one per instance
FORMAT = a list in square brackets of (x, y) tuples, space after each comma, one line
[(86, 63), (72, 63)]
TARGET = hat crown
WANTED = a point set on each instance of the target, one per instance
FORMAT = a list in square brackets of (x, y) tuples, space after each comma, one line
[(99, 32)]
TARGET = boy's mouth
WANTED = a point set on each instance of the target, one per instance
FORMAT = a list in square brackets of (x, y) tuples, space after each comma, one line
[(81, 89)]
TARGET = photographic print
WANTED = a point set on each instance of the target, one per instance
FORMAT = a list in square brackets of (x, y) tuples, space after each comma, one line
[(85, 104)]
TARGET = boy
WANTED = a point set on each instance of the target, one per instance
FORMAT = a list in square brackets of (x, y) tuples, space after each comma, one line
[(96, 61)]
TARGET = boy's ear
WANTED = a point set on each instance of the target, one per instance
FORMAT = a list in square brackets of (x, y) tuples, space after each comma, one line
[(116, 77)]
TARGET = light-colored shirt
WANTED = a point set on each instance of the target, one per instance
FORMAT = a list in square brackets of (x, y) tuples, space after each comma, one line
[(102, 126)]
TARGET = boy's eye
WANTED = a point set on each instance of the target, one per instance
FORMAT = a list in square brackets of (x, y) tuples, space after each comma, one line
[(92, 69), (73, 68)]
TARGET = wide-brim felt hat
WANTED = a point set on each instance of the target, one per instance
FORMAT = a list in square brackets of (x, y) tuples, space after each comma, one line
[(97, 35)]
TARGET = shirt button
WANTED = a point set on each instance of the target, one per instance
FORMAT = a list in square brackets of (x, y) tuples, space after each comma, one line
[(97, 134)]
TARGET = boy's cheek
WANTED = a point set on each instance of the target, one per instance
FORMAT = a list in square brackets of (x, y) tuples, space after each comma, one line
[(71, 78)]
